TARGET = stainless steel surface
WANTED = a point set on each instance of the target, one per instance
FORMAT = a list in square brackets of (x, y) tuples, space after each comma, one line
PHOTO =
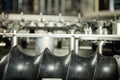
[(80, 36), (77, 45), (72, 41), (44, 42), (100, 45), (36, 17), (14, 39)]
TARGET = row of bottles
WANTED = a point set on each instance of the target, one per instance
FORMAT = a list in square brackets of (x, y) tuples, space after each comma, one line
[(44, 6), (16, 5)]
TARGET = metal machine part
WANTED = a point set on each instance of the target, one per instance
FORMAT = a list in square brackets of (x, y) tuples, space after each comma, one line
[(42, 43), (4, 49), (53, 66), (107, 67), (90, 68), (20, 66), (81, 68), (3, 63), (117, 57)]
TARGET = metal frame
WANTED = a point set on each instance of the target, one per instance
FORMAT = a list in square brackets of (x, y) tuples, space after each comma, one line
[(74, 38), (33, 17), (80, 36)]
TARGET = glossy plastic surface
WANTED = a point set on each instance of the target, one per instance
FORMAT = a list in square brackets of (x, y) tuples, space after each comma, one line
[(3, 62), (21, 66), (81, 68), (53, 66), (4, 49), (106, 68)]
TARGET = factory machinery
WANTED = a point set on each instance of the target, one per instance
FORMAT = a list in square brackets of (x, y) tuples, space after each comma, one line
[(17, 65)]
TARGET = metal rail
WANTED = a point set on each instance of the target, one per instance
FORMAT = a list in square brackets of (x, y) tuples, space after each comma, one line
[(80, 36), (74, 38), (36, 17)]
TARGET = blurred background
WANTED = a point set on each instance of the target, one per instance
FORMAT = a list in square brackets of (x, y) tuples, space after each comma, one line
[(66, 7)]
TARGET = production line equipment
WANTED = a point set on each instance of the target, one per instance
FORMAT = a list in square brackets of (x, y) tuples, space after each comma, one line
[(16, 65)]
